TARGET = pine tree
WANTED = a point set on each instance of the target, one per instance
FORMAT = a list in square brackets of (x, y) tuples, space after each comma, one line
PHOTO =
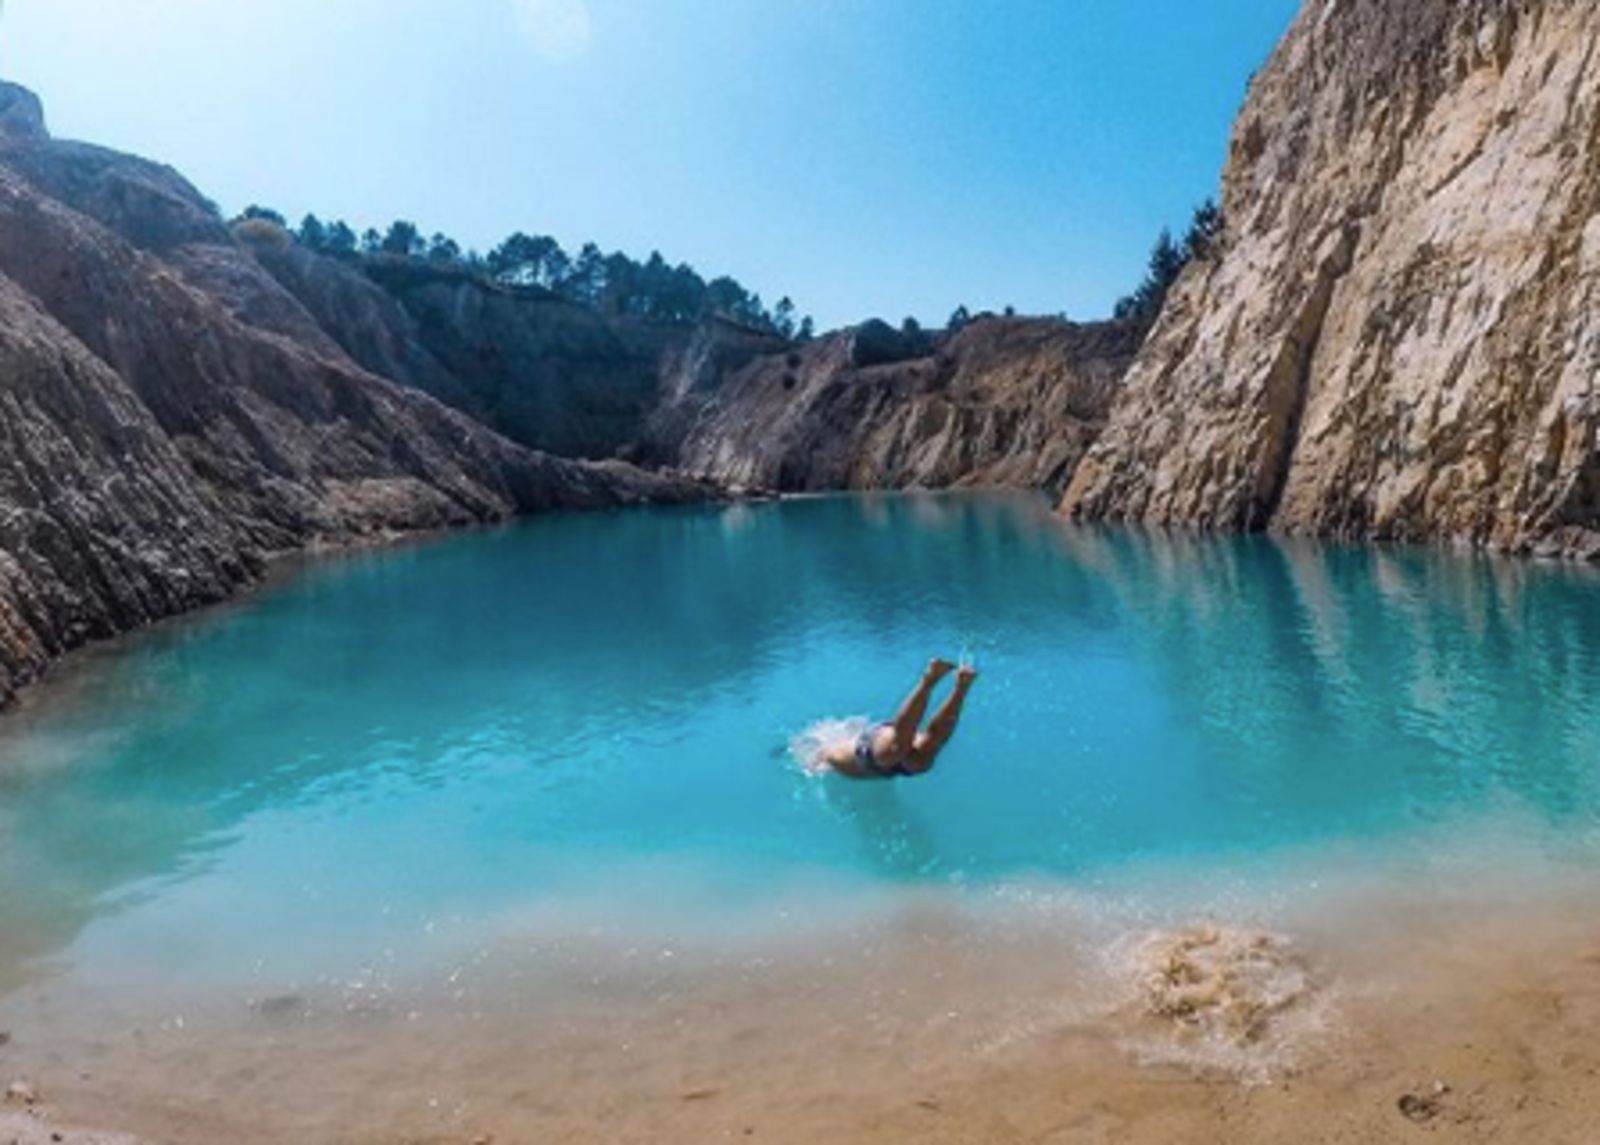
[(339, 239), (444, 249), (312, 234), (1205, 230), (265, 214), (783, 317), (403, 239)]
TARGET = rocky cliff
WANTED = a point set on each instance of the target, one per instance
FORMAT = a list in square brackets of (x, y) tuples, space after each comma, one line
[(1011, 402), (544, 371), (1001, 402), (172, 416), (1400, 334)]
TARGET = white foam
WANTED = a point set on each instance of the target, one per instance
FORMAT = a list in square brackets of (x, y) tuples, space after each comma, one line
[(1238, 1000), (806, 747)]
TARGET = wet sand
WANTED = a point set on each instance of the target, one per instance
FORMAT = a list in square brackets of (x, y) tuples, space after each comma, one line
[(926, 1026)]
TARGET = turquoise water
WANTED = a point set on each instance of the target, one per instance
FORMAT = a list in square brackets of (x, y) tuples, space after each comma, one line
[(589, 716)]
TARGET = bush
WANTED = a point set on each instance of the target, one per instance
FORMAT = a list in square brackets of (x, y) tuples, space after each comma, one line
[(256, 211), (262, 232)]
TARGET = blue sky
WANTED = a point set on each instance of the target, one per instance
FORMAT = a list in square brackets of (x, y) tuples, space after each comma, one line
[(866, 157)]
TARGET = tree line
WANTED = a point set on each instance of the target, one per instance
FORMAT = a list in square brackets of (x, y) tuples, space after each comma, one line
[(653, 290), (657, 291), (1168, 259)]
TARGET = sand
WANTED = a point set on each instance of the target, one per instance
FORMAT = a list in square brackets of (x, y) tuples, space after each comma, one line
[(928, 1026)]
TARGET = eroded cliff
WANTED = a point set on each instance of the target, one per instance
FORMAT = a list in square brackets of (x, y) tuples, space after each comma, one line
[(172, 416), (1399, 336), (549, 373), (1004, 402)]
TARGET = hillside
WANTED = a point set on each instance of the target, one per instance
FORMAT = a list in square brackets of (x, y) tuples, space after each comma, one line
[(173, 417), (185, 400), (1002, 402)]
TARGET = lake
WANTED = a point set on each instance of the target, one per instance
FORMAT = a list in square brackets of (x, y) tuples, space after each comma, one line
[(514, 772)]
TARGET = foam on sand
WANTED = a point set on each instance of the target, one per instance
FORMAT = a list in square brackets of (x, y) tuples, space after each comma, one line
[(1240, 1000)]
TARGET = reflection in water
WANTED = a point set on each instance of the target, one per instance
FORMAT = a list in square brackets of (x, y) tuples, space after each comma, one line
[(1452, 676), (459, 726)]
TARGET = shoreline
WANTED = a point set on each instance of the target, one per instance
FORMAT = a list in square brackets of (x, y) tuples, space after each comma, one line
[(1024, 1021), (1510, 1059), (279, 567), (276, 568)]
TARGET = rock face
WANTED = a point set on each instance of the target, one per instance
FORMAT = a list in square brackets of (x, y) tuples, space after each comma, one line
[(1011, 402), (546, 372), (172, 416), (1400, 335), (1002, 402), (104, 526)]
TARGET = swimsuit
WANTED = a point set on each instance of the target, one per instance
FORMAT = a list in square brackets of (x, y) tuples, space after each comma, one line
[(869, 762)]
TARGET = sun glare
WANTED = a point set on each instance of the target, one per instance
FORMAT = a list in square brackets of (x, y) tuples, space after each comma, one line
[(559, 30)]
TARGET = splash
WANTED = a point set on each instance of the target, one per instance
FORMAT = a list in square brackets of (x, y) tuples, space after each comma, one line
[(806, 748), (1240, 1000)]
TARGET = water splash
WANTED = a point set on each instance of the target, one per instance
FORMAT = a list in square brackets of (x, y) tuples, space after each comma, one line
[(806, 747), (1239, 1000)]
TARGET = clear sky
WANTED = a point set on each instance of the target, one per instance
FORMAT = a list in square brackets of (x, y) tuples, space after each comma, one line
[(866, 157)]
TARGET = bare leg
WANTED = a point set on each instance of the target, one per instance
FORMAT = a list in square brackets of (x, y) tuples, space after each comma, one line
[(931, 742), (916, 704)]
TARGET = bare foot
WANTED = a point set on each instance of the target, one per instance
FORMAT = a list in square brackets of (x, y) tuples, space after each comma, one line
[(939, 669), (965, 675)]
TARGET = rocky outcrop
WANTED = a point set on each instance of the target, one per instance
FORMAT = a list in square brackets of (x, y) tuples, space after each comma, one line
[(550, 373), (103, 526), (544, 371), (1010, 402), (340, 303), (1399, 336), (172, 417), (1002, 402)]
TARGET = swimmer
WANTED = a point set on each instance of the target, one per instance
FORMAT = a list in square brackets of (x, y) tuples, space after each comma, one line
[(895, 749)]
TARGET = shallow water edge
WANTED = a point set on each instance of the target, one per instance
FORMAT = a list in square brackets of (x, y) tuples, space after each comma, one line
[(926, 1022)]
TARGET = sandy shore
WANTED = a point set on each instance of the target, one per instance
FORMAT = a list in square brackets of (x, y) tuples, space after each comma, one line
[(1480, 1031), (37, 1128)]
